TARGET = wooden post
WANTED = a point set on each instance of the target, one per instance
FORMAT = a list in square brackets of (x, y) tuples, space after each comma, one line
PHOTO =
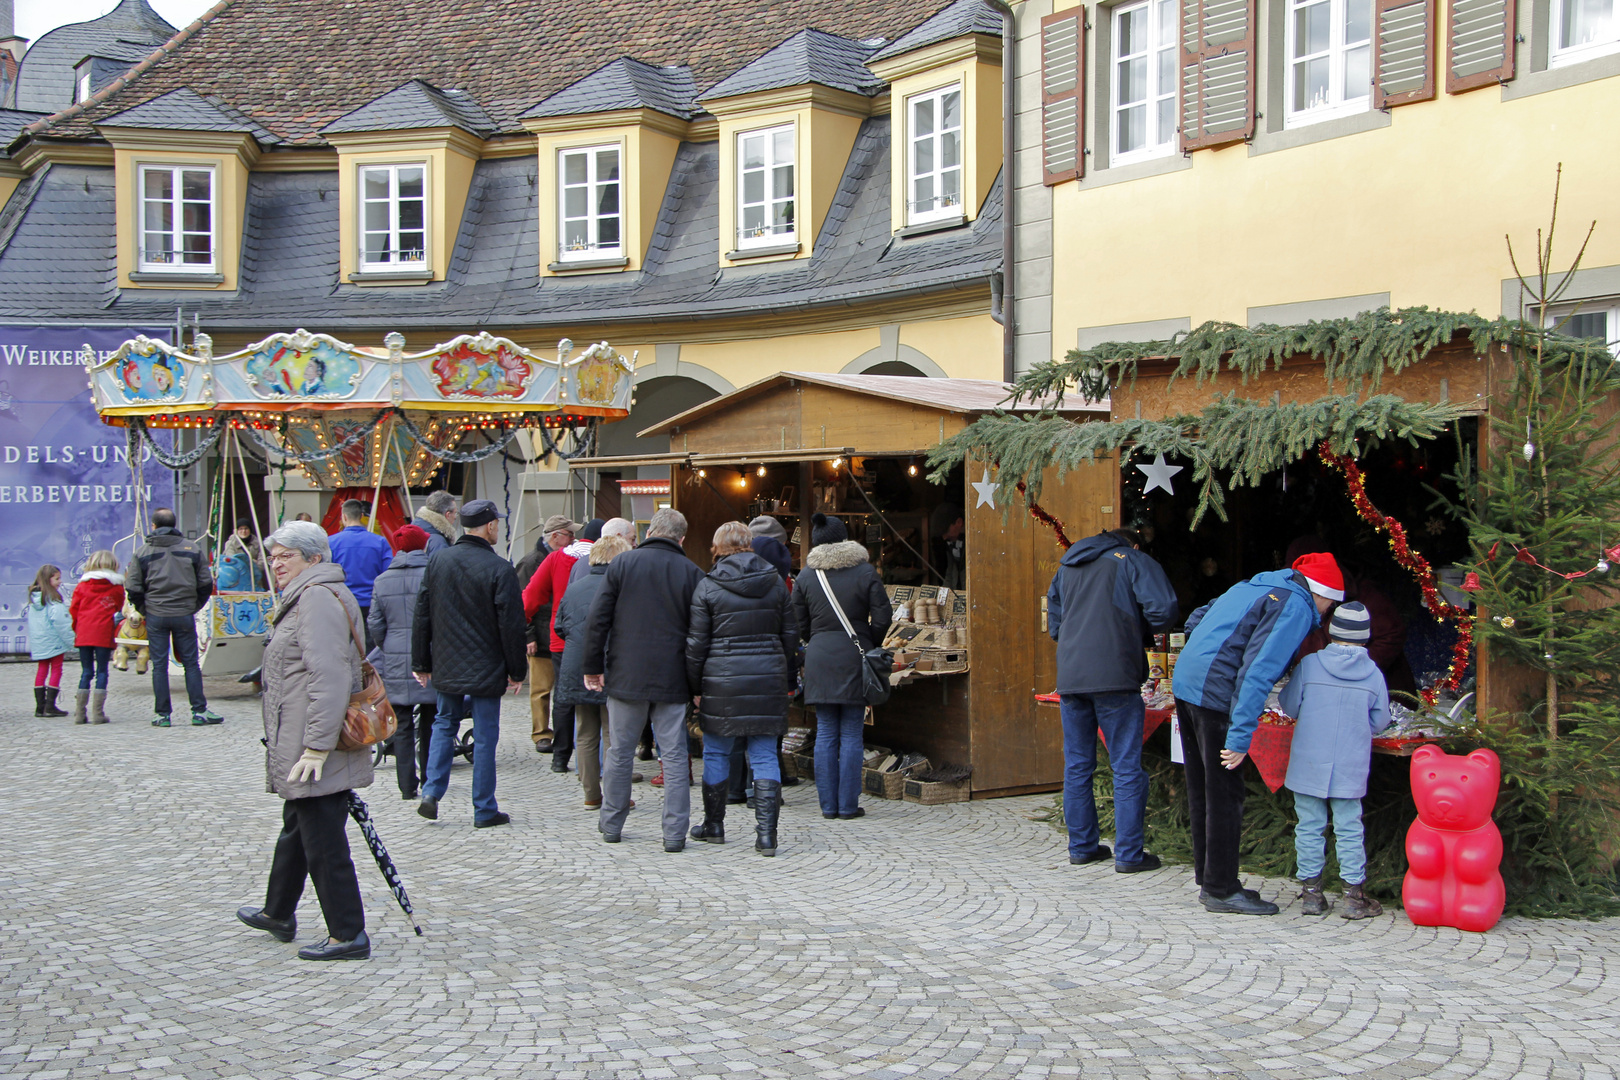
[(807, 507)]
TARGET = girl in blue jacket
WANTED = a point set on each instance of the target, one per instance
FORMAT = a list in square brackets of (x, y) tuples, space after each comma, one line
[(50, 637), (1339, 701)]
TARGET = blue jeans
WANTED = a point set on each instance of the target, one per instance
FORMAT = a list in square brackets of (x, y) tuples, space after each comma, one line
[(96, 658), (1310, 837), (1119, 717), (840, 745), (486, 718), (717, 757), (182, 631)]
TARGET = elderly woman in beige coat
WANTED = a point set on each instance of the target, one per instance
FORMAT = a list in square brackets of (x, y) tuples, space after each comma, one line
[(311, 666)]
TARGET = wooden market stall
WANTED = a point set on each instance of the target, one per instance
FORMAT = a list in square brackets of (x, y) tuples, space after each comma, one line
[(854, 446)]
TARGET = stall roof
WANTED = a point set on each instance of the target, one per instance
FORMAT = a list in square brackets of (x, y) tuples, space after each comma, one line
[(947, 395)]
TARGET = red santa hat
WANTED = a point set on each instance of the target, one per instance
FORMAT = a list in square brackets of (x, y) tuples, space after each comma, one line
[(1321, 574)]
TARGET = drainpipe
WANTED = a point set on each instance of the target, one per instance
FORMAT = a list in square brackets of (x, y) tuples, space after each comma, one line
[(1009, 51)]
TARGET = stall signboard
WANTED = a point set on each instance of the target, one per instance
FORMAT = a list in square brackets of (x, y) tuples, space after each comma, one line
[(65, 483)]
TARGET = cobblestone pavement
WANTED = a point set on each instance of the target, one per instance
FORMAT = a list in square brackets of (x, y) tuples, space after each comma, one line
[(916, 942)]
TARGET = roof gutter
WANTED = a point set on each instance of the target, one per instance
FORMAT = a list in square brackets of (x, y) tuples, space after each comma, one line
[(1003, 312)]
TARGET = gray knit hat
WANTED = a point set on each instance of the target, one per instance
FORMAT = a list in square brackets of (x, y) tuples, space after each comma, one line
[(765, 525), (1351, 623)]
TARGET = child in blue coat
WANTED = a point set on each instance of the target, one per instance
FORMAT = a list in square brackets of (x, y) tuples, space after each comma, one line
[(1339, 701), (50, 637)]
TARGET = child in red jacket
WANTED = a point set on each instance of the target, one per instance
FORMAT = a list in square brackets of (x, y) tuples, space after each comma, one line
[(98, 597)]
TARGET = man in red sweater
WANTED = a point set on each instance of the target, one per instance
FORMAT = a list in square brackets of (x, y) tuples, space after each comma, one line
[(546, 587)]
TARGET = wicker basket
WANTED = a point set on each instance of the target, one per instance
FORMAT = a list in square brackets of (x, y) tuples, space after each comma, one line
[(927, 793), (885, 785), (804, 765)]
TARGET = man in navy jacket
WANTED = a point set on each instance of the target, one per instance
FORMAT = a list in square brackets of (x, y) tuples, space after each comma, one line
[(1238, 647), (1106, 597)]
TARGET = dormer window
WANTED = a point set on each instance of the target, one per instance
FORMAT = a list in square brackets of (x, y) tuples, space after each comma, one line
[(177, 219), (591, 215), (393, 230), (765, 187), (934, 155), (81, 92)]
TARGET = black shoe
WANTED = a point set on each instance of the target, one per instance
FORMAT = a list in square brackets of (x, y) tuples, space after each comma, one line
[(559, 761), (829, 817), (1102, 852), (713, 828), (610, 838), (790, 781), (428, 808), (1148, 861), (500, 817), (767, 806), (1239, 903), (358, 949), (644, 753), (860, 811), (673, 846), (280, 929), (637, 778), (407, 796), (1205, 894)]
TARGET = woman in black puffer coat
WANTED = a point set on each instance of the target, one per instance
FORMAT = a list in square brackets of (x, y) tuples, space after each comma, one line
[(741, 646)]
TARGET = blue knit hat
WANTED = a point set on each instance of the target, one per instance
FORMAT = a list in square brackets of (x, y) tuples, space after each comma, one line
[(1351, 623)]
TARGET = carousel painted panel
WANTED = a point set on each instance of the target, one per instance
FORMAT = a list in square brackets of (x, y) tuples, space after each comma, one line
[(232, 629)]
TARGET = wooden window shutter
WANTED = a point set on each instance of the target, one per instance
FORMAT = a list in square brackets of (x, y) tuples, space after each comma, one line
[(1479, 48), (1063, 96), (1217, 72), (1403, 52)]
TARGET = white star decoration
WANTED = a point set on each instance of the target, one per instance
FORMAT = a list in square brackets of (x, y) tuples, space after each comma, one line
[(987, 491), (1159, 474)]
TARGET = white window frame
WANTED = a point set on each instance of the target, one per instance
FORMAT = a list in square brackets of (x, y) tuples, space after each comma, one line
[(939, 211), (395, 261), (593, 185), (1337, 51), (176, 230), (1587, 50), (1608, 306), (1147, 54), (82, 85), (772, 198)]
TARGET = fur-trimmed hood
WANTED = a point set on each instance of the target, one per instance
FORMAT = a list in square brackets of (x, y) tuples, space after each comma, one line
[(110, 576), (837, 556), (439, 522)]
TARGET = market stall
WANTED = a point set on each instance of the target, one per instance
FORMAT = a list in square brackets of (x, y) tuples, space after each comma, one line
[(966, 572), (369, 423)]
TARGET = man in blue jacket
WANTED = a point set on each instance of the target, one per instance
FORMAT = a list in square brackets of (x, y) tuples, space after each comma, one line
[(1238, 647), (1106, 597), (363, 555)]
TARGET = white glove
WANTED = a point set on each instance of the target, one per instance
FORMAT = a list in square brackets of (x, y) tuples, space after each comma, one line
[(308, 767)]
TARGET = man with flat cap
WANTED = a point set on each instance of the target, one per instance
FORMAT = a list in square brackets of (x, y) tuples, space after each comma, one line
[(468, 641)]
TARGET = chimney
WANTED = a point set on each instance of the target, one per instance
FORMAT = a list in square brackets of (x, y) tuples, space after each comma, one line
[(8, 31)]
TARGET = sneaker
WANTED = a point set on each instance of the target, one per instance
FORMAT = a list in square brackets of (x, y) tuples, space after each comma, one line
[(1102, 852), (206, 717), (161, 721), (1148, 861), (1239, 903)]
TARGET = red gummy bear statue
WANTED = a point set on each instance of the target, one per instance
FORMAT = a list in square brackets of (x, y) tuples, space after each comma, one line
[(1454, 848)]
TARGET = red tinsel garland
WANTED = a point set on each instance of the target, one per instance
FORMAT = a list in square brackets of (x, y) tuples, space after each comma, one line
[(1039, 513), (1413, 562)]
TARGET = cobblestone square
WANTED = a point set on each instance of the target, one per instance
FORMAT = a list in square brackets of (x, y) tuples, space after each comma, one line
[(916, 942)]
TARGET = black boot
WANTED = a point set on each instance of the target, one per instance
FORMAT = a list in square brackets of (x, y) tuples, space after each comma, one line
[(767, 806), (559, 760), (39, 701), (50, 702), (713, 829)]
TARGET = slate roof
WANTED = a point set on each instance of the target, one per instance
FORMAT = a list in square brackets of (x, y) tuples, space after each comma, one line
[(45, 81), (57, 255), (417, 104), (626, 84), (961, 18), (297, 65), (186, 110), (810, 56), (12, 122)]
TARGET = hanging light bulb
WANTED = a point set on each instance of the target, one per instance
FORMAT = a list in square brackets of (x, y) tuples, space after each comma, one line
[(912, 469), (837, 462), (762, 470)]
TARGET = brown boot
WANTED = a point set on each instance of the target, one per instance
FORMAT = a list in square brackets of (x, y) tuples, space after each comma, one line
[(1358, 905), (1310, 892), (98, 707)]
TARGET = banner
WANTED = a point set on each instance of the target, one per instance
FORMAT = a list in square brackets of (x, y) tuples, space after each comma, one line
[(66, 488)]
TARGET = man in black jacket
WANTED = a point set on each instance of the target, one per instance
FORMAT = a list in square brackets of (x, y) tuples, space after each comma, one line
[(169, 583), (635, 651), (1106, 597), (468, 638)]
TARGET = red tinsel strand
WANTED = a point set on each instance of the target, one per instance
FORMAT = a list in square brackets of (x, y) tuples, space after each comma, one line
[(1416, 564), (1039, 513)]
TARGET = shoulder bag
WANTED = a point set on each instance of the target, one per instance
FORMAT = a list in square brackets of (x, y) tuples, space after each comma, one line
[(370, 718), (876, 664)]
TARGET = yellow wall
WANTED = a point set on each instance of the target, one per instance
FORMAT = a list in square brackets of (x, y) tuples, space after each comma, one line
[(1417, 209), (450, 168), (8, 184), (966, 348), (231, 180), (646, 157), (981, 128)]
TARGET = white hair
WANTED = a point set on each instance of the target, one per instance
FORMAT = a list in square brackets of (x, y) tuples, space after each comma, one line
[(304, 537), (668, 523), (619, 527)]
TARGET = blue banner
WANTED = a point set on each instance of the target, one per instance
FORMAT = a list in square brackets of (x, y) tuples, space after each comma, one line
[(66, 488)]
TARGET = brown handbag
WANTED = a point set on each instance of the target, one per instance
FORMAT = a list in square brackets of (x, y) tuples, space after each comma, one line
[(370, 717)]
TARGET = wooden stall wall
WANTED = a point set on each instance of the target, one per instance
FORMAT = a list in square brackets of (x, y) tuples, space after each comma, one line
[(1016, 745)]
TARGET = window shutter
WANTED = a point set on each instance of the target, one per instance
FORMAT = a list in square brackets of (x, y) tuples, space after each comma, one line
[(1217, 72), (1403, 52), (1063, 95), (1480, 46)]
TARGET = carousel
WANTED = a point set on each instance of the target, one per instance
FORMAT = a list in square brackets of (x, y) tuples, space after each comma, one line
[(363, 422)]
